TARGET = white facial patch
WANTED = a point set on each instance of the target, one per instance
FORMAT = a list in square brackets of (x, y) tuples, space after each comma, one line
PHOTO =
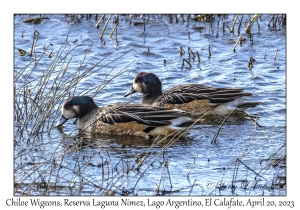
[(136, 87), (76, 108), (70, 113)]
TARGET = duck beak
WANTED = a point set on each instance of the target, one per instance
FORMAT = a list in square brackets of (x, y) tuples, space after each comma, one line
[(131, 91), (61, 121)]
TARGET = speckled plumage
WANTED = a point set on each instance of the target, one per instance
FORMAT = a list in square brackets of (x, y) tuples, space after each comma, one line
[(120, 118), (193, 98)]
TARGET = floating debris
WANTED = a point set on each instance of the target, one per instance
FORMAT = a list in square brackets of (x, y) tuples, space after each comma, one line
[(35, 20), (22, 52)]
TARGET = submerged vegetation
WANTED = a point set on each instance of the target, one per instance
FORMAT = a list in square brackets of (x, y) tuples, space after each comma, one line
[(48, 161)]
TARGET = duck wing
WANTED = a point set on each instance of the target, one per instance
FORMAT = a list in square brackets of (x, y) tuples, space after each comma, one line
[(187, 93), (143, 114)]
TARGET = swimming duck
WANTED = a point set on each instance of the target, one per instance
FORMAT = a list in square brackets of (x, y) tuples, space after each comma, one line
[(121, 118), (193, 98)]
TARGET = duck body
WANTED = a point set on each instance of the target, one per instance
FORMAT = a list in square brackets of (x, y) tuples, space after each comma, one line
[(193, 98), (121, 118)]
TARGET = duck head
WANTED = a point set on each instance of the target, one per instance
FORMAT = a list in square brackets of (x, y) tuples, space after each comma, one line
[(145, 83), (76, 107)]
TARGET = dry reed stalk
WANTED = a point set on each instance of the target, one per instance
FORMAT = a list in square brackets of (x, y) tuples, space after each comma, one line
[(190, 51), (253, 19), (101, 35), (34, 101), (98, 23), (198, 56), (238, 41), (112, 31), (214, 140), (276, 53), (234, 21), (184, 60)]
